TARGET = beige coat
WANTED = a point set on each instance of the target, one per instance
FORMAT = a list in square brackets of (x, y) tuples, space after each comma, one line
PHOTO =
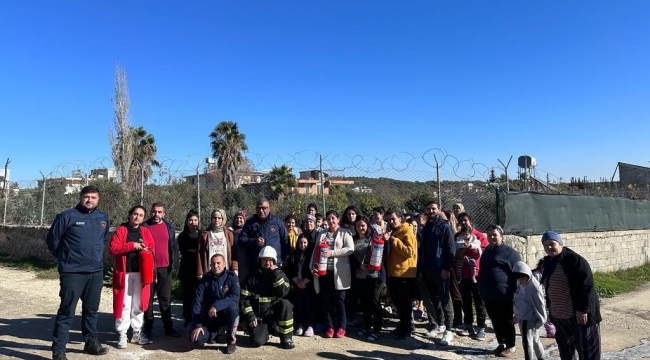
[(343, 248)]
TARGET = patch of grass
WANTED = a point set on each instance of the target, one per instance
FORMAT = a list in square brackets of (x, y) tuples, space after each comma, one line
[(43, 269), (621, 281)]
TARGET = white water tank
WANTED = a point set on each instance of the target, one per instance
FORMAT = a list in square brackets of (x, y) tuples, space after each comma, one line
[(527, 162)]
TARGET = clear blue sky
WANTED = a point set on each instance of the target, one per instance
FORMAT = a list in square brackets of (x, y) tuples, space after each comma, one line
[(566, 82)]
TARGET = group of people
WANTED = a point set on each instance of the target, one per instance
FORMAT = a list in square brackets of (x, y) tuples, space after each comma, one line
[(292, 277)]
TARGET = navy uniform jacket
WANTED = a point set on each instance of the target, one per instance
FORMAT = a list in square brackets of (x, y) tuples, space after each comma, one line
[(219, 291), (273, 231), (76, 238)]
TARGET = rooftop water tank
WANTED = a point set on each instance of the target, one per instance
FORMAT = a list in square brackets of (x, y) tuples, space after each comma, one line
[(527, 162)]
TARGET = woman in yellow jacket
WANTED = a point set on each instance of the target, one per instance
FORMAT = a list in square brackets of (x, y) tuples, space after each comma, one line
[(401, 269)]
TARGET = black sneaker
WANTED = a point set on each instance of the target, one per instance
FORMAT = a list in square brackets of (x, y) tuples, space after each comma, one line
[(172, 332), (230, 349), (59, 356), (93, 347)]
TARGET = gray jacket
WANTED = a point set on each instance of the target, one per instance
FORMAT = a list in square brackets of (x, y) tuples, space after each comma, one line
[(529, 299)]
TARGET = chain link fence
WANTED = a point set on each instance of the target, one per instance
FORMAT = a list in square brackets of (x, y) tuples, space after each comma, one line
[(404, 182)]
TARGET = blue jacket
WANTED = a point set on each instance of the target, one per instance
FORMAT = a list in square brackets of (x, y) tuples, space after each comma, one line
[(437, 246), (495, 280), (219, 291), (171, 230), (76, 238), (274, 233)]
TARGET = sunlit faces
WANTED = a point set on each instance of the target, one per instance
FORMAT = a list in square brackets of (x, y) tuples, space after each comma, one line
[(290, 224), (136, 217), (266, 263), (157, 214), (456, 209), (432, 210), (352, 216), (89, 200), (239, 221), (311, 211), (333, 221), (263, 210), (319, 222), (217, 264), (192, 223), (303, 243), (552, 247), (465, 223), (310, 225), (216, 219), (414, 225), (394, 221), (361, 227), (494, 237), (377, 217)]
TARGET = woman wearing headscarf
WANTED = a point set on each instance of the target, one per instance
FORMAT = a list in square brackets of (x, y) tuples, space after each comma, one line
[(217, 239), (236, 227)]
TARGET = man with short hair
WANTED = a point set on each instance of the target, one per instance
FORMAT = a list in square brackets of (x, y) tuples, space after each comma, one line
[(264, 229), (216, 304), (163, 233), (76, 239), (263, 301), (438, 250)]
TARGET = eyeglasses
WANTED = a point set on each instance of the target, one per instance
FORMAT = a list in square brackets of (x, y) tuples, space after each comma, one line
[(262, 208)]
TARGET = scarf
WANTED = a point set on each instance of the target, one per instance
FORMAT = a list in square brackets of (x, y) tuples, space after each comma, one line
[(215, 228)]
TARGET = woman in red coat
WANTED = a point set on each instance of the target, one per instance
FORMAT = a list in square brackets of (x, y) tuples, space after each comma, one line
[(130, 294)]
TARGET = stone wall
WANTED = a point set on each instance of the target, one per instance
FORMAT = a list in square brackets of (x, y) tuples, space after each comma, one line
[(605, 251)]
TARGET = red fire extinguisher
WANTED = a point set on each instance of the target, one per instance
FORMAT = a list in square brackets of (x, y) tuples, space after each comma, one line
[(375, 252), (320, 261), (145, 257)]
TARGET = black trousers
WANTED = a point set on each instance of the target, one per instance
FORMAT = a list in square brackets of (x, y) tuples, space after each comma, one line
[(571, 337), (280, 314), (500, 313), (333, 301), (303, 304), (75, 286), (370, 292), (163, 289), (189, 282), (227, 317), (402, 292), (470, 296), (426, 300), (456, 299)]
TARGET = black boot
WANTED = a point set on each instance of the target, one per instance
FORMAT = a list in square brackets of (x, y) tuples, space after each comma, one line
[(93, 347), (59, 356), (286, 341)]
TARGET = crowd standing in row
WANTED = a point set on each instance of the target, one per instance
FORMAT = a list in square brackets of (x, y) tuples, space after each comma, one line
[(286, 280)]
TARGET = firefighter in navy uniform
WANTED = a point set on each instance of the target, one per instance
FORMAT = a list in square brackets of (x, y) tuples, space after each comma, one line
[(263, 301)]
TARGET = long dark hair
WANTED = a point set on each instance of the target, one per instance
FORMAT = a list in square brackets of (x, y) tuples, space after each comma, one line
[(186, 229), (344, 222), (368, 233)]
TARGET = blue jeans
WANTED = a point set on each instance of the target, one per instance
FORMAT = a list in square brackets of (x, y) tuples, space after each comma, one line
[(75, 286)]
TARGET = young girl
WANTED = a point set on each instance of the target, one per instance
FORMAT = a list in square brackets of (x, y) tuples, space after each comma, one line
[(292, 230), (299, 271), (537, 274), (369, 282), (187, 244), (529, 307)]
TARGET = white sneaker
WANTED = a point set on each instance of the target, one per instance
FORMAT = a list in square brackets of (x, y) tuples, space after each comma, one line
[(447, 336), (299, 331), (435, 331), (121, 344), (135, 339)]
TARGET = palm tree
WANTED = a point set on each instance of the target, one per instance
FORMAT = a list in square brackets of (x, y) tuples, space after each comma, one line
[(144, 156), (281, 181), (227, 146)]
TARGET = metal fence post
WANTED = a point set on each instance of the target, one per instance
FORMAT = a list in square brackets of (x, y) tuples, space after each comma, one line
[(498, 205)]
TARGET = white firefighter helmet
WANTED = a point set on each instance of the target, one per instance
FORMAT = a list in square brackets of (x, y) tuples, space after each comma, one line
[(268, 252)]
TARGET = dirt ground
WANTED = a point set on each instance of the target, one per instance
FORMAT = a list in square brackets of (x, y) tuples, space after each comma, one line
[(29, 305)]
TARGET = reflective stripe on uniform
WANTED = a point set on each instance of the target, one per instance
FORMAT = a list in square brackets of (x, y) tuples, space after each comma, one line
[(248, 309), (279, 282), (264, 299), (285, 323), (285, 331), (245, 292)]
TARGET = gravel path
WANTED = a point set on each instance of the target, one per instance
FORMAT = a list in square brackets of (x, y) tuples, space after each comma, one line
[(29, 304)]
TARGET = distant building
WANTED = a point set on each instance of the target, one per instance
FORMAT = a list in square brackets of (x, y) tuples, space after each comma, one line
[(638, 176), (310, 182), (212, 179), (97, 174), (71, 184), (362, 189)]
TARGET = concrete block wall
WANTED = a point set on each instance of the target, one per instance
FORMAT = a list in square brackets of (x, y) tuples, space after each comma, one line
[(605, 251)]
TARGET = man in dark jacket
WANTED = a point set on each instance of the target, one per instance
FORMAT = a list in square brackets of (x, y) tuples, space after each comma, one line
[(438, 250), (263, 301), (572, 300), (76, 239), (164, 234), (264, 229), (216, 304)]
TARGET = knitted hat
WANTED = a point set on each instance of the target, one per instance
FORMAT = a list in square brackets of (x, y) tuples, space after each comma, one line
[(242, 213), (311, 217), (552, 235)]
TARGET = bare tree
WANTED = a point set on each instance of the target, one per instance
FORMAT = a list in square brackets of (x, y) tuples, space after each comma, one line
[(120, 135)]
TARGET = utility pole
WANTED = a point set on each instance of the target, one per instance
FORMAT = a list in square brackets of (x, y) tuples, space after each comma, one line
[(43, 198), (5, 191)]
